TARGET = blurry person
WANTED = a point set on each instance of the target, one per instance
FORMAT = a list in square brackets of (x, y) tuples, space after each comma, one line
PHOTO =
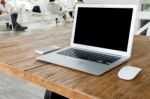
[(5, 8), (77, 2), (69, 5)]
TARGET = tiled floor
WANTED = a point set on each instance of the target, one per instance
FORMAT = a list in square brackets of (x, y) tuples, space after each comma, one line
[(14, 88), (33, 22)]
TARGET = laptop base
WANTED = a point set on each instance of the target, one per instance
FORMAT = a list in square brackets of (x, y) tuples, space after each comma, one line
[(94, 68)]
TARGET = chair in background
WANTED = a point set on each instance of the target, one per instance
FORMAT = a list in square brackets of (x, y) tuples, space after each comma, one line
[(146, 28), (55, 11), (36, 9), (6, 18)]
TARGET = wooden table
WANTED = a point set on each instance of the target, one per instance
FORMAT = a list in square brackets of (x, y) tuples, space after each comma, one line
[(17, 57)]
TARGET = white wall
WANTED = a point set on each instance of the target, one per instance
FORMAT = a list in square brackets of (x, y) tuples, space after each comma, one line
[(113, 1)]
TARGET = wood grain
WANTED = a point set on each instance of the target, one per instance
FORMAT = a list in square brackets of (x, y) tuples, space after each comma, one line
[(18, 58)]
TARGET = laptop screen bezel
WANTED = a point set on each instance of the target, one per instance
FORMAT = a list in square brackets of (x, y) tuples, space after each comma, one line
[(105, 50)]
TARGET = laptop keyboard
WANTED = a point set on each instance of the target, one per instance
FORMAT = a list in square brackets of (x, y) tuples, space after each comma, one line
[(91, 56)]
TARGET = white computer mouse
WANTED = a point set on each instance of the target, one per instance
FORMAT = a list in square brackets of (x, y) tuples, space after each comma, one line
[(128, 72)]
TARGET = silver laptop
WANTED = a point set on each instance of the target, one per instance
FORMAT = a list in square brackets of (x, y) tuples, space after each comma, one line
[(102, 38)]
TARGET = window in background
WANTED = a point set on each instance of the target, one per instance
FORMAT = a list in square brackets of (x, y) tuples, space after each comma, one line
[(145, 5), (25, 4)]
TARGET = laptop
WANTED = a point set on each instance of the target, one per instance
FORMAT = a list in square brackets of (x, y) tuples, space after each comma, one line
[(102, 37)]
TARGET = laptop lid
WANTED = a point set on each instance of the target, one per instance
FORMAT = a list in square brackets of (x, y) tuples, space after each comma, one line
[(104, 28)]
